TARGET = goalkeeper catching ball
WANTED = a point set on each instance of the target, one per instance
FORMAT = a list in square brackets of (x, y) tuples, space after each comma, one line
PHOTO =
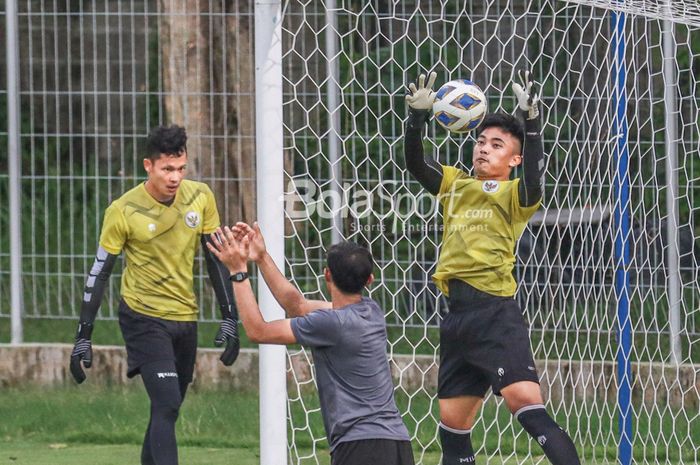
[(484, 340)]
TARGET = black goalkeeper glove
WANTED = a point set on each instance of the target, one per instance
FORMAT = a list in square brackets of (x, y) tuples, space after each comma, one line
[(82, 351), (228, 335)]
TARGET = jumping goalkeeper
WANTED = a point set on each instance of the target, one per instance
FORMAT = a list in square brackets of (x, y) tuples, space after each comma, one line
[(484, 340)]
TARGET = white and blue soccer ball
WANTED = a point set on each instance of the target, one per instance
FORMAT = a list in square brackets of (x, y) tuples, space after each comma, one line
[(460, 106)]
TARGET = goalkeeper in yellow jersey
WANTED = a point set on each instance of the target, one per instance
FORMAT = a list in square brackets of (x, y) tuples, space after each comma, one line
[(158, 225), (484, 340)]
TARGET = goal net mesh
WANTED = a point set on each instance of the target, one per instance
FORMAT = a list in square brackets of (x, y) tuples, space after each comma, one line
[(345, 71)]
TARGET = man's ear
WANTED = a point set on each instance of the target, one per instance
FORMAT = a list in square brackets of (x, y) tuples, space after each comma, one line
[(147, 165), (515, 160), (370, 280), (327, 275)]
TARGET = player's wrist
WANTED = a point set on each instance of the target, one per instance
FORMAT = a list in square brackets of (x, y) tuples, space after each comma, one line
[(84, 330), (237, 267), (226, 311), (532, 125), (417, 118)]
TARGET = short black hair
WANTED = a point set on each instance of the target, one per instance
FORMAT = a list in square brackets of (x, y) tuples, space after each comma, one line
[(507, 123), (170, 140), (350, 265)]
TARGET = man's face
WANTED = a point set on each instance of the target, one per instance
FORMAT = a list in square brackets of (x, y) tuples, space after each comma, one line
[(496, 153), (165, 175)]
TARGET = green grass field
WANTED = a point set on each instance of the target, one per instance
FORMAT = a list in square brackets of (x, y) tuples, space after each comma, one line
[(42, 426), (34, 453), (91, 425), (104, 426), (100, 426)]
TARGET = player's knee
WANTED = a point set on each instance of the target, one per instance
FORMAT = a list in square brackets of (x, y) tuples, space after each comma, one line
[(167, 407), (459, 413), (168, 411), (522, 394), (458, 422)]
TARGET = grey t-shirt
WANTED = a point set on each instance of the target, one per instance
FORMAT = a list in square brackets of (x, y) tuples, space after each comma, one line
[(352, 372)]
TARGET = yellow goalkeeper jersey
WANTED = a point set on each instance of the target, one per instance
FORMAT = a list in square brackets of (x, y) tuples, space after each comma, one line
[(159, 243), (482, 222)]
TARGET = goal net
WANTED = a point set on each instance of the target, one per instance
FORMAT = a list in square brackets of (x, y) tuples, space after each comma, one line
[(607, 269)]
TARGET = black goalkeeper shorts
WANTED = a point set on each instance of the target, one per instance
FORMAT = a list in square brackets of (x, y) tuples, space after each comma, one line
[(484, 342), (373, 452), (150, 339)]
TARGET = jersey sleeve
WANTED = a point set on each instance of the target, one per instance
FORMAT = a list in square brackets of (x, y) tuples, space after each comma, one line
[(115, 230), (521, 213), (426, 170), (321, 328), (211, 219), (449, 175)]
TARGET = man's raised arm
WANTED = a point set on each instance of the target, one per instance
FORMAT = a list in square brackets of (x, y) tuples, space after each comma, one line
[(531, 188), (289, 297), (426, 170)]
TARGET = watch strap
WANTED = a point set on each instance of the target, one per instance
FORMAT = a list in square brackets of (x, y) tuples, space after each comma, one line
[(238, 277)]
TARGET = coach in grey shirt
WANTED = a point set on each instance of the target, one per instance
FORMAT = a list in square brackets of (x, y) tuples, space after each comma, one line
[(352, 370), (347, 337)]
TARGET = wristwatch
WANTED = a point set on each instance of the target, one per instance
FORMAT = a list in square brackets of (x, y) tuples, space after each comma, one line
[(238, 277)]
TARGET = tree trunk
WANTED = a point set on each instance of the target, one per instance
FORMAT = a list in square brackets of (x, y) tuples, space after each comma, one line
[(208, 81)]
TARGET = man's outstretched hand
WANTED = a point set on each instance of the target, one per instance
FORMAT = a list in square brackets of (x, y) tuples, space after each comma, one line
[(255, 239), (422, 97), (231, 252), (525, 92)]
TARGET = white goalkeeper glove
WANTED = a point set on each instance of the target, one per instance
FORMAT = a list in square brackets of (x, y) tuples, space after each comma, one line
[(528, 98), (422, 97)]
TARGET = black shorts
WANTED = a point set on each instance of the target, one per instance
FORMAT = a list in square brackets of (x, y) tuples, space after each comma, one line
[(373, 452), (150, 339), (484, 341)]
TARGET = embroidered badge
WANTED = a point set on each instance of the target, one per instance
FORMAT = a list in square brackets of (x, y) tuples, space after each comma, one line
[(490, 186), (192, 219)]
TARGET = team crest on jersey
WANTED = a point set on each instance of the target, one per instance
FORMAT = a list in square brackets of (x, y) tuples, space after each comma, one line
[(490, 186), (192, 219)]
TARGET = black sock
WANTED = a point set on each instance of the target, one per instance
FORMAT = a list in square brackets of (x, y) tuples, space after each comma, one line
[(162, 385), (456, 446), (556, 444)]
